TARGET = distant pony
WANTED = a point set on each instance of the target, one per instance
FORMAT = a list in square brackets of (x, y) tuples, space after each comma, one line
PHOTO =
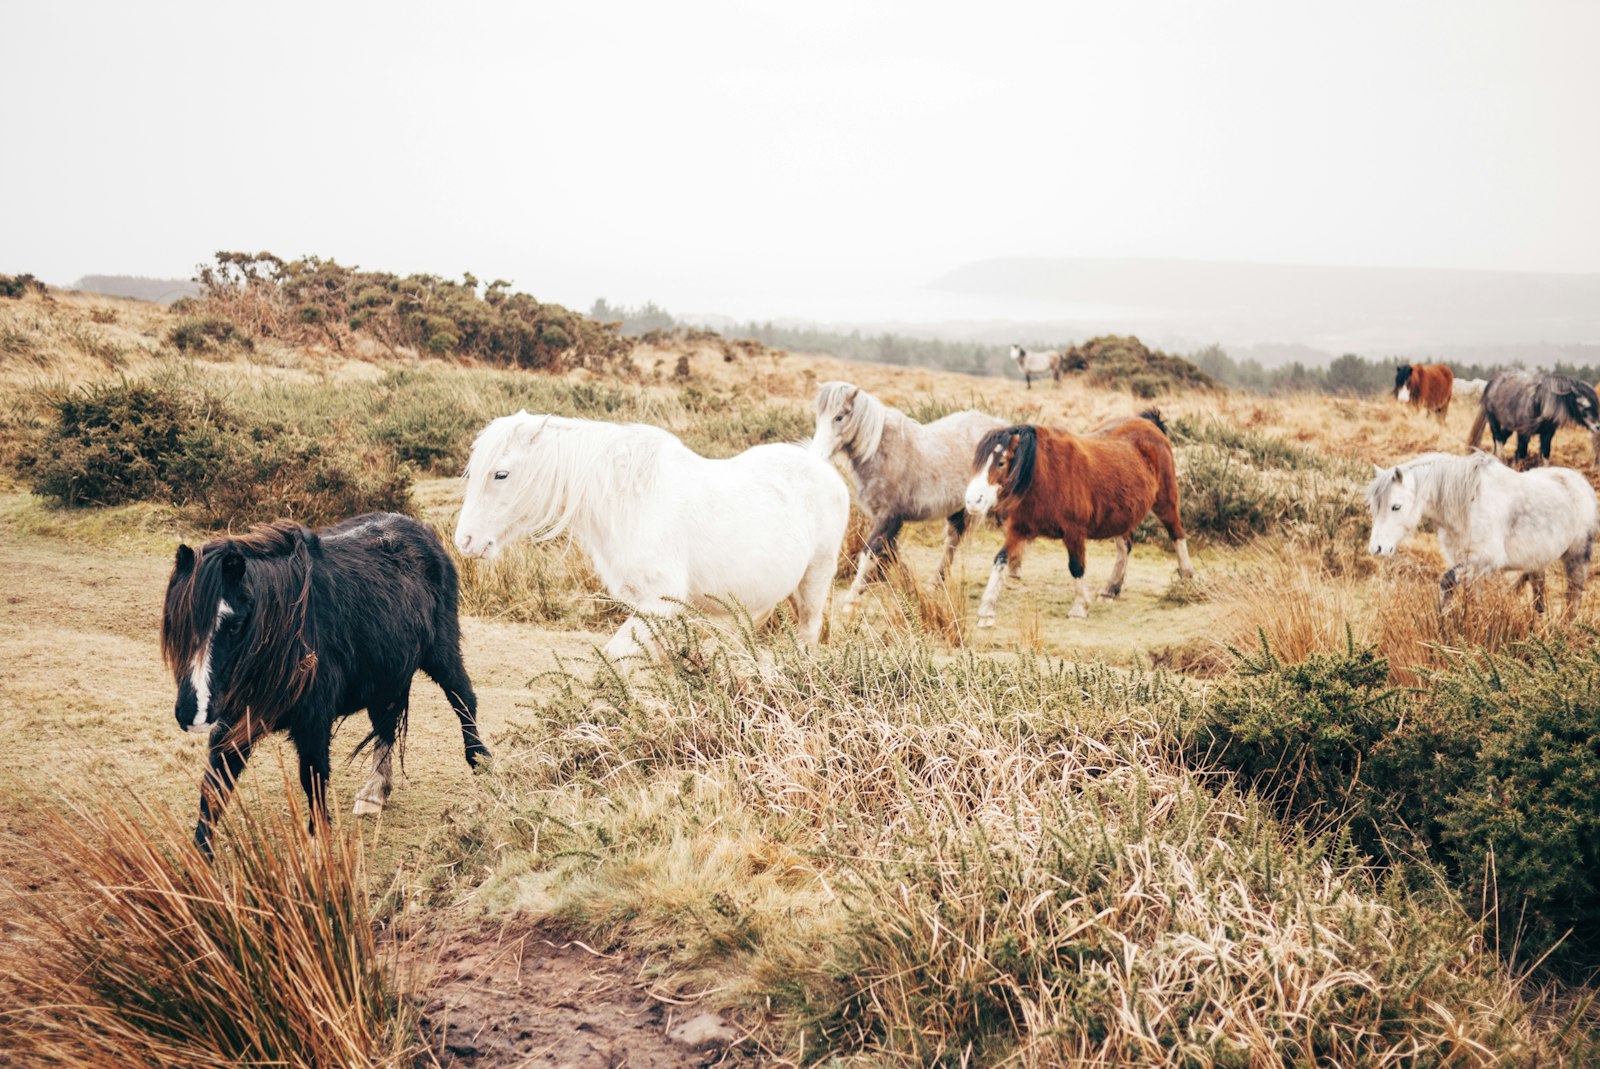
[(1045, 483), (904, 470), (1469, 387), (1426, 386), (286, 629), (1526, 403), (1037, 363), (664, 526), (1489, 518)]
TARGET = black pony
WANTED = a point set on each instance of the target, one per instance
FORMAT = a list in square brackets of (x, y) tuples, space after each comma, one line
[(1526, 403), (285, 629)]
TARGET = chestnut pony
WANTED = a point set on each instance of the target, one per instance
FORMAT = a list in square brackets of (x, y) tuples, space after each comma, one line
[(1429, 386), (1045, 483)]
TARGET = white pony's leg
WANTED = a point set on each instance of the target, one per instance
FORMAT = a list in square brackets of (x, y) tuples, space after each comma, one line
[(811, 596), (1119, 570), (633, 637), (1577, 575), (954, 527), (1185, 569), (374, 794)]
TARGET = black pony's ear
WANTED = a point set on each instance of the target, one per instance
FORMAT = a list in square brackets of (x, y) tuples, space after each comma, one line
[(185, 560), (233, 567)]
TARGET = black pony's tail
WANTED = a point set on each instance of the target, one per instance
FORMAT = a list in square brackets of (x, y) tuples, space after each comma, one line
[(1154, 416)]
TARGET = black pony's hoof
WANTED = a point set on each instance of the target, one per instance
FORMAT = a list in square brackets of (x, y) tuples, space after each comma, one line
[(202, 843), (479, 758)]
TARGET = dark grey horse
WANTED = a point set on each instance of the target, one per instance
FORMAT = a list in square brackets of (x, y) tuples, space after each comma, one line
[(1526, 403)]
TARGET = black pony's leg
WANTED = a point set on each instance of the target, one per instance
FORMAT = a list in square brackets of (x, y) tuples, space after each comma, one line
[(311, 743), (225, 762), (445, 668), (1546, 432), (386, 717), (1522, 447)]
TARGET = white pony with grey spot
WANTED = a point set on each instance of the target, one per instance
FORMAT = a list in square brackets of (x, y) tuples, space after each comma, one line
[(1039, 362), (1490, 518), (664, 526), (903, 469)]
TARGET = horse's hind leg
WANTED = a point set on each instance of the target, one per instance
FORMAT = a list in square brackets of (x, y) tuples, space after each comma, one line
[(810, 598), (1166, 510), (1536, 581), (1577, 566), (444, 666), (955, 526), (386, 717), (1118, 570), (1075, 564)]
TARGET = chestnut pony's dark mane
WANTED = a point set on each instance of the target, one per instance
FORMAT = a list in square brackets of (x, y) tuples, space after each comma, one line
[(279, 663)]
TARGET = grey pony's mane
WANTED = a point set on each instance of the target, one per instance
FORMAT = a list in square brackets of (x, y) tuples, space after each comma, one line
[(1445, 483), (862, 430)]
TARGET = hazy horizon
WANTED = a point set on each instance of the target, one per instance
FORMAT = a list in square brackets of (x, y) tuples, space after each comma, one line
[(825, 163)]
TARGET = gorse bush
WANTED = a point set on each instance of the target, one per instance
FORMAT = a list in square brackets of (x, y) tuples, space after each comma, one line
[(1490, 770), (206, 333), (18, 286), (159, 441), (1120, 363), (311, 300)]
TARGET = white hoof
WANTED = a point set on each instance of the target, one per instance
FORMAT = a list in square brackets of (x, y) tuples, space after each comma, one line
[(1107, 597), (1078, 612), (986, 621), (367, 807)]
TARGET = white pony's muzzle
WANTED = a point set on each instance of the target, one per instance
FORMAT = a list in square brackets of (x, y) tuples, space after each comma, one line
[(473, 546)]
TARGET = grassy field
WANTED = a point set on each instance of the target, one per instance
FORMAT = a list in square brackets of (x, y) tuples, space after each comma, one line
[(919, 844)]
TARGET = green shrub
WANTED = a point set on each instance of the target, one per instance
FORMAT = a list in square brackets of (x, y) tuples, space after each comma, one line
[(122, 442), (204, 333), (1128, 364), (18, 286)]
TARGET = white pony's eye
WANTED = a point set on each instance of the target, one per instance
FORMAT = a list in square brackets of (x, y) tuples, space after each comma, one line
[(501, 475), (1394, 508), (839, 418)]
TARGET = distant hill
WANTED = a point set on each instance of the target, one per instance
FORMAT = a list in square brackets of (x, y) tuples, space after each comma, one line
[(160, 290), (1333, 309)]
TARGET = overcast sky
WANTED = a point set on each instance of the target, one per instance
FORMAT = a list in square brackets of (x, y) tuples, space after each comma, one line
[(764, 159)]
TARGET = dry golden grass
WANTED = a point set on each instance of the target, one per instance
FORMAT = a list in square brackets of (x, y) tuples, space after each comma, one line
[(134, 951)]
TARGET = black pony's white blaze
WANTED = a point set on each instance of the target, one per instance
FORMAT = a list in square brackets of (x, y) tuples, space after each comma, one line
[(200, 673)]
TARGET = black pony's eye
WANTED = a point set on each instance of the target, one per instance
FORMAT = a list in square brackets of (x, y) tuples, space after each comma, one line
[(501, 475)]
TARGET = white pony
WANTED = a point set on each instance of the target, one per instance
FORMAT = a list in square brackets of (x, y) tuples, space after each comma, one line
[(664, 525), (1037, 363), (1490, 518), (1467, 387)]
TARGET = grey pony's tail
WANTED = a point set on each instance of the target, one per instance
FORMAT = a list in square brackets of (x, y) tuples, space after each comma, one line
[(1154, 416), (1475, 435)]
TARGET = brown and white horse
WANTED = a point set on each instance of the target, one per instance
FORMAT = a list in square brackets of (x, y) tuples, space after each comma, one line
[(1047, 483), (1429, 386)]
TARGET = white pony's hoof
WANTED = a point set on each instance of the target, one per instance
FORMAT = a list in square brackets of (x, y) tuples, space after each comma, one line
[(1106, 597), (1078, 612), (986, 621), (367, 807)]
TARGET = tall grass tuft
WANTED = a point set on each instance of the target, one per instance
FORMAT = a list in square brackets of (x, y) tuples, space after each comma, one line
[(138, 953)]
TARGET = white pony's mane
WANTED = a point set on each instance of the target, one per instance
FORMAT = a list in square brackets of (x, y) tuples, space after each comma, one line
[(862, 430), (1445, 483), (572, 473)]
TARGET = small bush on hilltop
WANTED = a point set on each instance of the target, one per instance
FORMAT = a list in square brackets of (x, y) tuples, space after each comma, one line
[(1127, 364), (205, 333), (19, 286), (311, 300)]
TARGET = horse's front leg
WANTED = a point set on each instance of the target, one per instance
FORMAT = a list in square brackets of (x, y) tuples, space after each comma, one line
[(634, 636), (880, 543), (311, 742), (225, 760), (1461, 573), (1545, 434), (997, 578), (1075, 564)]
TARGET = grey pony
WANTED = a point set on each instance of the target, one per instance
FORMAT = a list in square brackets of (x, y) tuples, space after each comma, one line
[(1526, 403), (904, 470)]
